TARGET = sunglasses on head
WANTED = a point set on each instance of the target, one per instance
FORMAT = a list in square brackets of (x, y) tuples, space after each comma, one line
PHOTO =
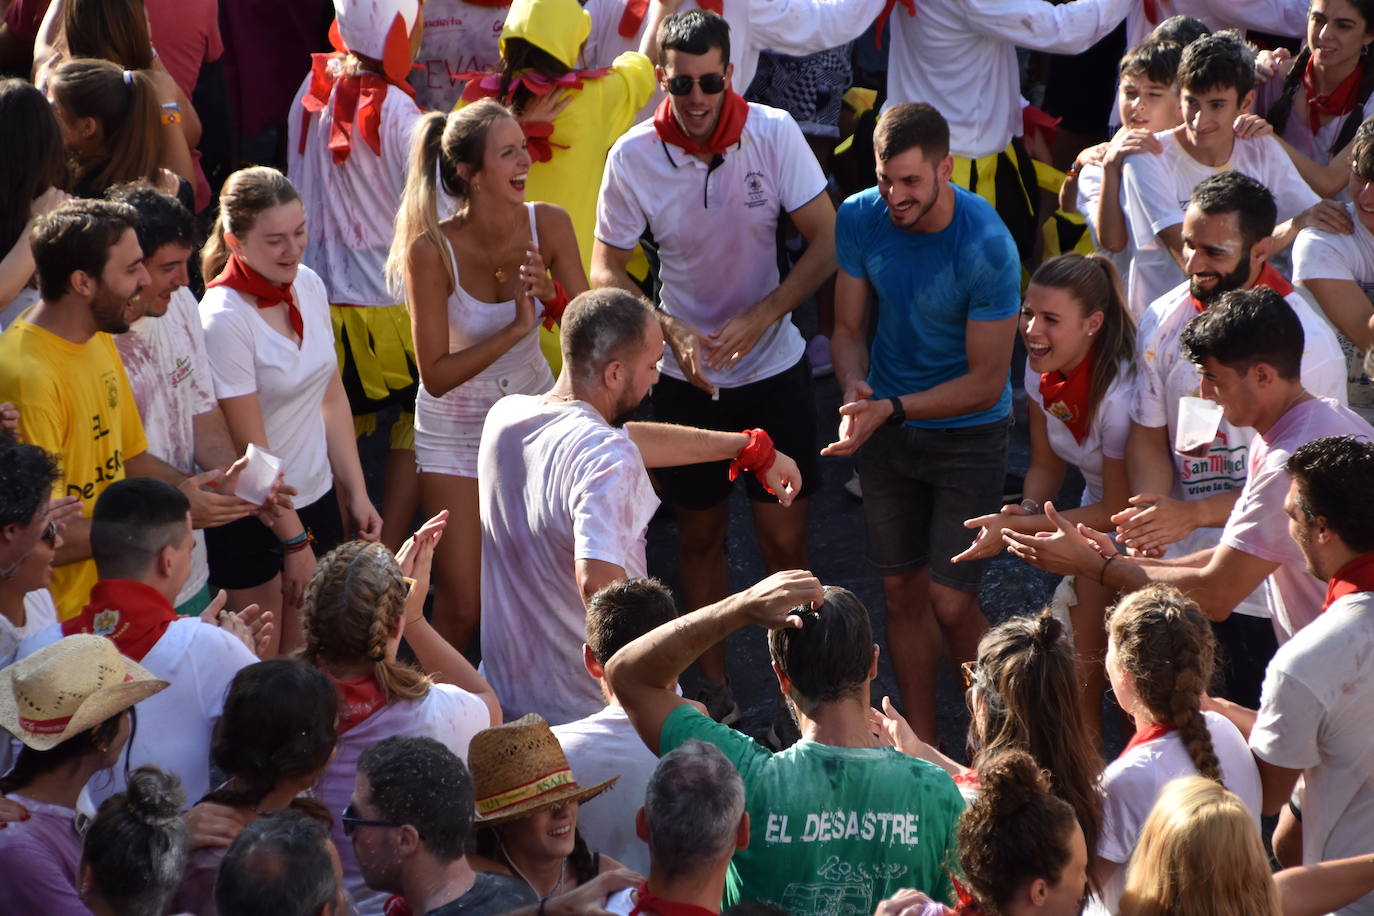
[(711, 84)]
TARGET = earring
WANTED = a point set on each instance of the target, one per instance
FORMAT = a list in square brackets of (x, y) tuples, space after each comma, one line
[(1090, 333)]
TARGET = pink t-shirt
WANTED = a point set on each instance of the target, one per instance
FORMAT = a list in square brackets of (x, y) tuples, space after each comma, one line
[(186, 35), (38, 862), (1258, 524)]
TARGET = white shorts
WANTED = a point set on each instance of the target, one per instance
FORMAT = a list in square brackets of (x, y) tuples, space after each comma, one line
[(448, 430)]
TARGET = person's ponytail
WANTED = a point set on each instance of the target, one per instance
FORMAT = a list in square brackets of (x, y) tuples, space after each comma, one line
[(418, 215)]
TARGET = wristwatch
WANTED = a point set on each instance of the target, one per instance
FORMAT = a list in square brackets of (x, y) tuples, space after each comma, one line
[(898, 412)]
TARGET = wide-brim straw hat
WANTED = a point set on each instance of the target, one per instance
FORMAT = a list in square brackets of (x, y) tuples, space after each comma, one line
[(68, 687), (519, 768)]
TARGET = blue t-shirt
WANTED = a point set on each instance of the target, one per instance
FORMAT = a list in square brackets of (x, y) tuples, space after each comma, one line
[(929, 286)]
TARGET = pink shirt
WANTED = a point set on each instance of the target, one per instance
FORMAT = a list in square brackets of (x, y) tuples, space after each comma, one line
[(1259, 526), (186, 35), (38, 861)]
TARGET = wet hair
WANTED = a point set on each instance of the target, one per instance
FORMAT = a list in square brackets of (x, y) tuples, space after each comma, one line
[(1028, 672), (1279, 113), (352, 605), (694, 32), (1335, 478), (418, 781), (162, 219), (1016, 830), (279, 864), (1092, 280), (245, 196), (1232, 192), (602, 325), (439, 144), (1163, 641), (692, 805), (830, 656), (1154, 59), (911, 125), (137, 846), (1362, 153), (27, 473), (134, 519), (126, 109), (1221, 60), (1181, 30), (262, 740), (1244, 327), (113, 30), (30, 764), (77, 236), (1199, 854), (31, 158), (625, 610), (517, 56)]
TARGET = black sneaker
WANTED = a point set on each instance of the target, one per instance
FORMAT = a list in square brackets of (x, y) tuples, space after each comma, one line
[(720, 703)]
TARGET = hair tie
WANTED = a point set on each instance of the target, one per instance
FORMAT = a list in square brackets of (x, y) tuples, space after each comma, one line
[(128, 77)]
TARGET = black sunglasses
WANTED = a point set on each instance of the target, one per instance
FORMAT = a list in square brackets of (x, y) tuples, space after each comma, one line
[(351, 821), (50, 533), (711, 84)]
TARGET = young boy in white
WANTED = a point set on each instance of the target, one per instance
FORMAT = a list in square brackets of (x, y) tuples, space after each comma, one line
[(1216, 79)]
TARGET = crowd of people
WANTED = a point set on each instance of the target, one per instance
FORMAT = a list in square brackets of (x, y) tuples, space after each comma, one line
[(575, 262)]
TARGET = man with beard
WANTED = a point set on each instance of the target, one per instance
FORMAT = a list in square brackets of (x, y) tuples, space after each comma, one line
[(927, 409), (1184, 500), (565, 499), (59, 364)]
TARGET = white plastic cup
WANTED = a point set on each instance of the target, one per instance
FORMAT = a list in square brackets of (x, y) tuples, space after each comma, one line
[(255, 482), (1198, 421)]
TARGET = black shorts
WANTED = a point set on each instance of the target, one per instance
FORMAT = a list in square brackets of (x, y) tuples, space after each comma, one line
[(783, 405), (245, 553)]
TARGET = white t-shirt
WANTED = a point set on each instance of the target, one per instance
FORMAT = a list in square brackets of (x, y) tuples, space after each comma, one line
[(599, 747), (1164, 375), (351, 206), (459, 38), (1106, 434), (1133, 781), (703, 218), (1156, 189), (199, 661), (961, 58), (1089, 193), (248, 357), (1322, 255), (556, 484), (40, 612), (16, 306), (170, 377), (1296, 131), (796, 27), (1258, 524), (1315, 716)]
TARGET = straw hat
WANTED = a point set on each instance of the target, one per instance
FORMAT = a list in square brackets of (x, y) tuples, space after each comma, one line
[(519, 768), (68, 687)]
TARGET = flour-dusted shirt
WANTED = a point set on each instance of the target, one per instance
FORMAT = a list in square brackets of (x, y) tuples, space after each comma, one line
[(1089, 197), (459, 38), (1258, 524), (1314, 716), (1156, 189), (960, 56), (1297, 133), (247, 356), (556, 484), (1107, 432), (1322, 255), (169, 373), (716, 229)]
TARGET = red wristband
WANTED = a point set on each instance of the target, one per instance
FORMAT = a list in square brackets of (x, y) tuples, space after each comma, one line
[(756, 457), (553, 310)]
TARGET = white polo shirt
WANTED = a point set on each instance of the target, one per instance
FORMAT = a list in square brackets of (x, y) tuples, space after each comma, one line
[(1156, 188), (960, 56), (1164, 374), (716, 228)]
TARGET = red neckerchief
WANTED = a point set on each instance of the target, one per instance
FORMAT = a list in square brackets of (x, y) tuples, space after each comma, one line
[(1337, 102), (1268, 277), (1355, 576), (1152, 11), (1142, 735), (633, 17), (964, 904), (357, 101), (396, 905), (646, 902), (358, 699), (1066, 396), (733, 114), (885, 15), (130, 614), (968, 780), (240, 277)]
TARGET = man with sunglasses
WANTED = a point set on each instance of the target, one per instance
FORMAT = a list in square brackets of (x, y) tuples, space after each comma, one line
[(708, 178)]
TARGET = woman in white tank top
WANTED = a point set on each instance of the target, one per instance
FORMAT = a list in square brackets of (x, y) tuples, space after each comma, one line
[(478, 284)]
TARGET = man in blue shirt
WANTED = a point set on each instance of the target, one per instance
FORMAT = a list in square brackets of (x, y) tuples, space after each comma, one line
[(927, 410)]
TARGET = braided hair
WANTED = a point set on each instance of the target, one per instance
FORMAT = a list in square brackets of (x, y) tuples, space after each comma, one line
[(1165, 643), (352, 606)]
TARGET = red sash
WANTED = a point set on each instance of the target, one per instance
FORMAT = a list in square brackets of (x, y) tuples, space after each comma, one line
[(885, 15), (130, 614), (1355, 576), (733, 114), (1268, 277), (1066, 396), (1339, 101), (240, 277)]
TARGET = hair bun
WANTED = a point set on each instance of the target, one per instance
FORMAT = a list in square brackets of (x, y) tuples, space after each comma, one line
[(154, 797), (1010, 781), (1048, 629)]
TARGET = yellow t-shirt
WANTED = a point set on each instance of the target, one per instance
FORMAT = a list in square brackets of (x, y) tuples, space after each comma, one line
[(74, 401)]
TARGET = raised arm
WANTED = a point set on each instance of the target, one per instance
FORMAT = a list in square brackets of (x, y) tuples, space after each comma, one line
[(1064, 28)]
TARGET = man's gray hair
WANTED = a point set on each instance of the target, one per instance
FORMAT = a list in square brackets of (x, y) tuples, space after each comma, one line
[(278, 866), (693, 807), (601, 325)]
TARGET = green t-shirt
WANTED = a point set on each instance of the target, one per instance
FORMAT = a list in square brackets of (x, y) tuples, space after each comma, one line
[(833, 830)]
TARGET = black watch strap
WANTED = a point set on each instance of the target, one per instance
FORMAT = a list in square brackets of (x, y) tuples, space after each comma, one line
[(898, 412)]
